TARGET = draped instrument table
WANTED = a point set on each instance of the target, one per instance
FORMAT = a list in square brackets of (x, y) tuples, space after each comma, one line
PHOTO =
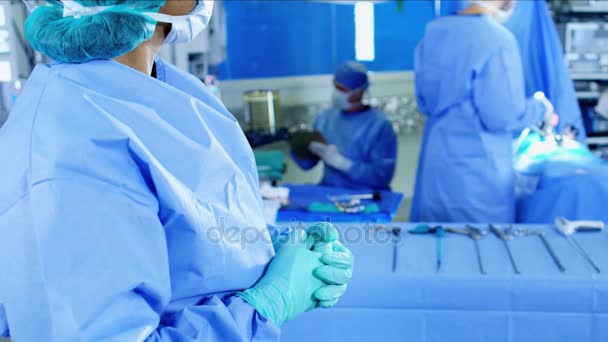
[(416, 303), (301, 196)]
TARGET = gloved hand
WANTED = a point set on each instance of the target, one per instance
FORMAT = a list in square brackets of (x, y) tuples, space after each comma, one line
[(602, 105), (336, 274), (338, 260), (289, 287), (331, 156)]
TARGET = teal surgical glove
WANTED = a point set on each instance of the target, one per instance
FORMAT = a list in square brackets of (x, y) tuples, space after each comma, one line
[(288, 288), (336, 273), (338, 263)]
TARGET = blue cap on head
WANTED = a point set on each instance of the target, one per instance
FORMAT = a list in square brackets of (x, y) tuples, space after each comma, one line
[(352, 75)]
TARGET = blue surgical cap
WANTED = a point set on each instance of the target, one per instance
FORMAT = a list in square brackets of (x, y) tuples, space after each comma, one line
[(352, 75), (108, 34)]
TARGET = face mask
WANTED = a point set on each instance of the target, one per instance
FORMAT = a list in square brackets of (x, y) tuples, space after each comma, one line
[(501, 15), (184, 28), (340, 100)]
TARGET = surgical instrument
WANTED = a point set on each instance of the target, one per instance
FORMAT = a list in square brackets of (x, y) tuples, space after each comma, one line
[(505, 237), (568, 229), (439, 232), (376, 196), (476, 234), (542, 236), (396, 239), (351, 204)]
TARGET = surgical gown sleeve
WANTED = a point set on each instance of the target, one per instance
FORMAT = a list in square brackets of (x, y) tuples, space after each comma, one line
[(499, 94), (98, 270), (379, 169)]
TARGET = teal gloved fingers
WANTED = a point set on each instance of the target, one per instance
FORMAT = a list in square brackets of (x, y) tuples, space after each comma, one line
[(339, 256), (288, 287), (329, 303), (340, 260), (323, 232), (333, 275), (329, 295), (321, 247)]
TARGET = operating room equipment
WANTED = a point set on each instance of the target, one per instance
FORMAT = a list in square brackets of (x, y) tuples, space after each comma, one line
[(395, 240), (439, 233), (353, 203), (568, 230), (505, 237), (303, 196), (570, 227), (582, 6), (475, 234), (548, 124), (586, 46), (336, 207), (375, 196), (17, 58), (350, 207), (543, 238), (263, 110)]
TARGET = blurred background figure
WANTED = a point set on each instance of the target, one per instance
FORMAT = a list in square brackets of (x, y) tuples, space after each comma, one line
[(361, 147), (470, 85)]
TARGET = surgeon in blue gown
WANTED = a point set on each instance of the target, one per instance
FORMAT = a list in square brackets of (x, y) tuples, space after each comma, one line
[(543, 60), (129, 204), (361, 149), (470, 86)]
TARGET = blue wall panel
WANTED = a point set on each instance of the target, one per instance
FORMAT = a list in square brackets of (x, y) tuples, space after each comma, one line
[(293, 37)]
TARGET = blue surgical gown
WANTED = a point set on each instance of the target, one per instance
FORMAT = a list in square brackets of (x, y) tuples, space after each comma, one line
[(542, 58), (469, 85), (367, 138), (129, 210), (543, 61)]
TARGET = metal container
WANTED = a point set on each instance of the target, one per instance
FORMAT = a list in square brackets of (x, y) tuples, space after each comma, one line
[(263, 110)]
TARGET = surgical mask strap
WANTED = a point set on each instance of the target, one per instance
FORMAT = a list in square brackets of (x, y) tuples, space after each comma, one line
[(204, 8), (74, 9)]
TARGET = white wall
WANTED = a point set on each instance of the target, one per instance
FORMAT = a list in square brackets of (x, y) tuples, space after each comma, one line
[(314, 90)]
